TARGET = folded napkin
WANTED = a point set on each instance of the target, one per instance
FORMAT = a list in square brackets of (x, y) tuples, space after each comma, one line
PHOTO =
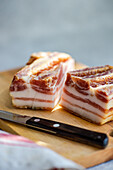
[(17, 153)]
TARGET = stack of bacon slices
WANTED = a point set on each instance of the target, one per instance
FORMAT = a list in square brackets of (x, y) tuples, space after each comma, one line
[(39, 84), (88, 93)]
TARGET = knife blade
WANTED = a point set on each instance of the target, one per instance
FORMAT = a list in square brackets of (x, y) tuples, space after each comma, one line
[(67, 131)]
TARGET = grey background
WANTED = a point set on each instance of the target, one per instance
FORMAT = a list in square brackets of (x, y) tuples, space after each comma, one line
[(82, 28)]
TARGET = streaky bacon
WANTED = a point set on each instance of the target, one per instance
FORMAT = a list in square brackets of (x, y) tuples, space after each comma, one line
[(91, 86), (44, 75)]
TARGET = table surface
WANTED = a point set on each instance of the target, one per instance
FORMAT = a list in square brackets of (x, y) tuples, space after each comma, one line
[(81, 28)]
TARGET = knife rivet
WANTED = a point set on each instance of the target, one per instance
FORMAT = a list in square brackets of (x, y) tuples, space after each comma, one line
[(99, 137), (36, 120), (56, 125)]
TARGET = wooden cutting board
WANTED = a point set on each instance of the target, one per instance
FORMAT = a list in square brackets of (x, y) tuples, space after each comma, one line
[(83, 154)]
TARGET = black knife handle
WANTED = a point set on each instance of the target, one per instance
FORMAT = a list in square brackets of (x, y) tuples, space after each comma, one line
[(74, 133)]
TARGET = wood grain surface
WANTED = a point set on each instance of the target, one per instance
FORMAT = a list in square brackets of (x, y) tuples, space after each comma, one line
[(83, 154)]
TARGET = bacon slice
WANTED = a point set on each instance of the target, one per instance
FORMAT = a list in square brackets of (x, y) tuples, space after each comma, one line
[(38, 85), (89, 93)]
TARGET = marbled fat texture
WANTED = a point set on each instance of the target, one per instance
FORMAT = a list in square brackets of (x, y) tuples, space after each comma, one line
[(89, 93), (39, 83)]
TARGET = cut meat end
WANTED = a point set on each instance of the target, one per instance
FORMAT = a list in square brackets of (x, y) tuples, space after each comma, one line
[(86, 114), (37, 99), (39, 84), (92, 103)]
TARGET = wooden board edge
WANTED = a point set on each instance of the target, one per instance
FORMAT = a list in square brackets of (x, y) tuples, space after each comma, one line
[(102, 156), (4, 126)]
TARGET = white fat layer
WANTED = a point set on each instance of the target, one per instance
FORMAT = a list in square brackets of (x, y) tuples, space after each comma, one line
[(34, 104), (93, 90), (85, 114), (84, 105), (22, 103), (92, 98), (102, 86), (29, 92), (71, 65)]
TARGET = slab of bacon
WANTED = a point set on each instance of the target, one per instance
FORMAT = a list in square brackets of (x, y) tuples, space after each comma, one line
[(38, 85), (89, 93)]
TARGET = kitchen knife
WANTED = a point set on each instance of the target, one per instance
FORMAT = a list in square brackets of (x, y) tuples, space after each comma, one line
[(74, 133)]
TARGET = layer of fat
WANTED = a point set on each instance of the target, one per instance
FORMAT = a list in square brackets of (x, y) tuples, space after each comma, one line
[(30, 93), (71, 65), (31, 104), (83, 105), (85, 114), (92, 98), (45, 104), (34, 104)]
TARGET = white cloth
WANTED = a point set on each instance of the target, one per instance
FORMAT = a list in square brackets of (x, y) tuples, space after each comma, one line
[(19, 153), (104, 166)]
